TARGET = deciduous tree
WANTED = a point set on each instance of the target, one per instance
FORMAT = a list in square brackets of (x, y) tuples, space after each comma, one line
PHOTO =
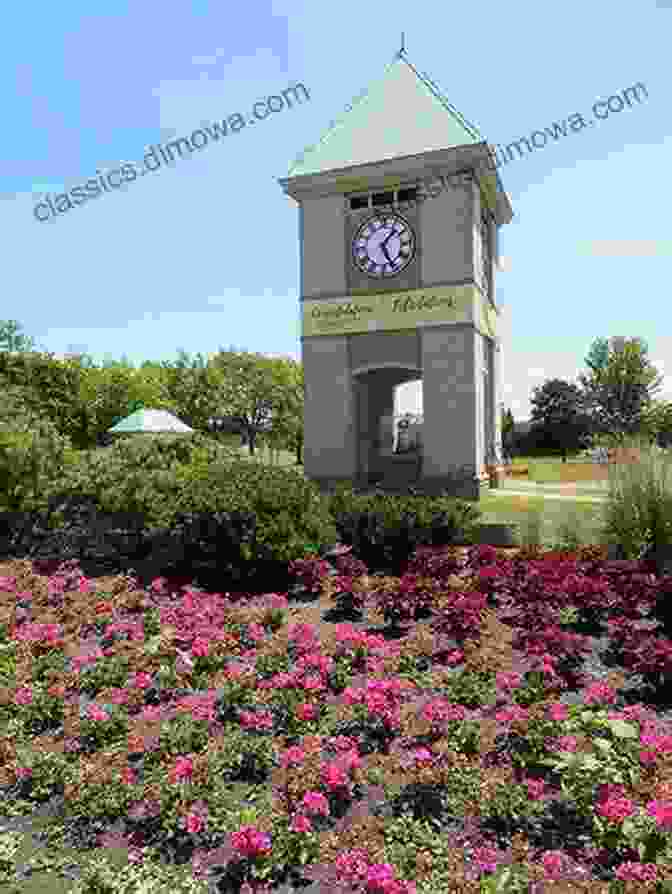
[(250, 390), (619, 387), (558, 415)]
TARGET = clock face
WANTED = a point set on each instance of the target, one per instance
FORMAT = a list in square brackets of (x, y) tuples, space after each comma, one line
[(383, 245)]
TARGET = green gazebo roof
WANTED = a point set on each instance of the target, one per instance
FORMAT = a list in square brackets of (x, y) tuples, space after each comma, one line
[(401, 114), (150, 421)]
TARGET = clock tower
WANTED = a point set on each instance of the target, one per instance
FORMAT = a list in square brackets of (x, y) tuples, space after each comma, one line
[(399, 210)]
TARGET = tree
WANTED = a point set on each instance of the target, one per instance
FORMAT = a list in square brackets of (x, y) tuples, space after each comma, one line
[(10, 340), (287, 422), (657, 422), (32, 452), (558, 413), (508, 428), (250, 390), (193, 388), (50, 387), (619, 388), (598, 355), (108, 394)]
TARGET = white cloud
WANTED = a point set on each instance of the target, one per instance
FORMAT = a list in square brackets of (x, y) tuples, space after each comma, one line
[(632, 248)]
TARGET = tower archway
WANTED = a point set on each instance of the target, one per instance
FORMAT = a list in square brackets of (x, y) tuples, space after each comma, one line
[(379, 459)]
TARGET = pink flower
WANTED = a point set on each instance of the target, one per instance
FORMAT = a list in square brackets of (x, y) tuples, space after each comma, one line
[(97, 713), (23, 696), (127, 776), (194, 823), (183, 769), (313, 684), (552, 862), (616, 810), (292, 756), (379, 876), (422, 754), (353, 862), (306, 711), (24, 772), (249, 841), (316, 802), (567, 743), (509, 681), (256, 632), (662, 812), (333, 776), (641, 872), (485, 858), (608, 790), (200, 647), (600, 692), (558, 712), (301, 823), (535, 788), (141, 680)]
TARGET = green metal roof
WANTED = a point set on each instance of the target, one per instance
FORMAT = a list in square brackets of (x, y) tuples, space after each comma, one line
[(401, 114), (154, 421)]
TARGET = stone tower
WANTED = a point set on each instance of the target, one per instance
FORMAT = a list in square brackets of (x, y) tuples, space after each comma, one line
[(399, 209)]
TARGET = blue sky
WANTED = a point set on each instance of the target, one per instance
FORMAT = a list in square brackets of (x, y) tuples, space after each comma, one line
[(203, 253)]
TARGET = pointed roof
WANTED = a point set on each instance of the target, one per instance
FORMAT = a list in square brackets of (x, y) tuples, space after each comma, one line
[(401, 114), (150, 421)]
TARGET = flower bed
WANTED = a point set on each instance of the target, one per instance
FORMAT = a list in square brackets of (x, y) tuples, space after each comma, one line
[(491, 717)]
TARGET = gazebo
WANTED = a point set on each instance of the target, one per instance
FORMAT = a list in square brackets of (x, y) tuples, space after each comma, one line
[(150, 422)]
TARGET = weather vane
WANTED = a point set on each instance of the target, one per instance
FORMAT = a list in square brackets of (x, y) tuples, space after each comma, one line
[(402, 50)]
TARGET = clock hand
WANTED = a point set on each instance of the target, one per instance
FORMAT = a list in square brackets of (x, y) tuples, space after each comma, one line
[(383, 244)]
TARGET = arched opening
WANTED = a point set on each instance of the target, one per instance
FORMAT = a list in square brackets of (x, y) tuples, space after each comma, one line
[(388, 454), (408, 418)]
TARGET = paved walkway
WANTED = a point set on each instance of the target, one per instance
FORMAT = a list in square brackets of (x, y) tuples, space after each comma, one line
[(584, 491)]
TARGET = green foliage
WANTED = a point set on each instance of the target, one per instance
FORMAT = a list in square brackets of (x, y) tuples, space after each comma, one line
[(100, 877), (289, 510), (405, 838), (136, 475), (569, 537), (239, 746), (183, 735), (531, 527), (49, 771), (558, 416), (32, 453), (508, 428), (7, 662), (51, 390), (456, 517), (638, 511), (52, 662), (105, 673), (106, 732), (268, 666), (620, 387), (471, 688), (510, 800)]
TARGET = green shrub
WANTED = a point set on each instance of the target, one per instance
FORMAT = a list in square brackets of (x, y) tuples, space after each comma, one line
[(638, 510), (390, 526), (137, 475), (289, 510), (32, 453)]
